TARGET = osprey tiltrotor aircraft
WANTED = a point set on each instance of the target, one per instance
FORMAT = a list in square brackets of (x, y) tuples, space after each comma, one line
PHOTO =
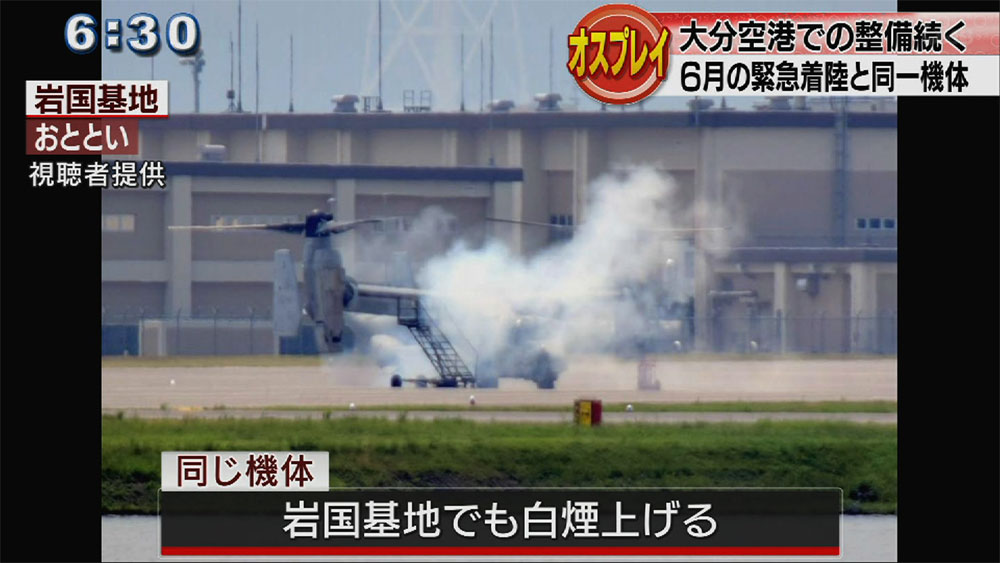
[(329, 292)]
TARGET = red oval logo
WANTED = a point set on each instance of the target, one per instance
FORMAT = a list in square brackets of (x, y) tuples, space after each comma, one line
[(618, 54)]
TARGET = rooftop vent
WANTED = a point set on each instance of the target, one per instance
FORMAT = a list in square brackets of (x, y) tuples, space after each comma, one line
[(548, 102), (344, 103), (414, 104), (212, 153), (501, 105), (775, 103)]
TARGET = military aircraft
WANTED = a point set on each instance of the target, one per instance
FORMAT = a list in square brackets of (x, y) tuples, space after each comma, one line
[(329, 292)]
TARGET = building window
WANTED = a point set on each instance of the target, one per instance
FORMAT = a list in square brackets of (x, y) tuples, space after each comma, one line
[(888, 223), (874, 223), (861, 223), (118, 222)]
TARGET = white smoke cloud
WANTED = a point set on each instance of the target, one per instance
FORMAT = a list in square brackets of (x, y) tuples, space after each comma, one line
[(603, 290), (564, 291)]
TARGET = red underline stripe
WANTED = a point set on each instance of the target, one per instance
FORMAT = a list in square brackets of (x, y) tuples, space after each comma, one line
[(510, 550)]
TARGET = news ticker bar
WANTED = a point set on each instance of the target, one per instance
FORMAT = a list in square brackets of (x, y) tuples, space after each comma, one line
[(492, 521)]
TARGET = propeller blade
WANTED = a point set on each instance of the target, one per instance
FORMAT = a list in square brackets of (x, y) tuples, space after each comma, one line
[(554, 226), (337, 228), (294, 228)]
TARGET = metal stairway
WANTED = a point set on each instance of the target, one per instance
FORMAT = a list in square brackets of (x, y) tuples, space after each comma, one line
[(436, 346)]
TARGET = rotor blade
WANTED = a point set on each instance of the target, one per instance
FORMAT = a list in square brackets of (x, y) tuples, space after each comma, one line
[(554, 226), (294, 228), (337, 227), (530, 223)]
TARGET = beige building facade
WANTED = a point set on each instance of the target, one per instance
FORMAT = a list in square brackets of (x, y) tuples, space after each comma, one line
[(812, 268)]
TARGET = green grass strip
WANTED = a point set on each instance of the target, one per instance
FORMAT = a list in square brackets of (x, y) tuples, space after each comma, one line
[(859, 458)]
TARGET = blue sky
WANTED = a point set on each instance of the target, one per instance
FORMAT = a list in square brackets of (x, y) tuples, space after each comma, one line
[(335, 46)]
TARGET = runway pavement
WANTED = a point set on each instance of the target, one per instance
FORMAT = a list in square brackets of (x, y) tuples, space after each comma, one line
[(353, 380), (511, 416)]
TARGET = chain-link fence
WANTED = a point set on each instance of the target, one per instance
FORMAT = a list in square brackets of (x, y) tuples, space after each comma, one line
[(214, 333), (206, 333), (819, 333)]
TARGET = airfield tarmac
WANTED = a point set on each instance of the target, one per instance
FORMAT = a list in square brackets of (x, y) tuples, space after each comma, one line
[(346, 380)]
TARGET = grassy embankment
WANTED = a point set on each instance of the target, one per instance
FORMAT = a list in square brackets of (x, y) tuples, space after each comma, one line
[(859, 458)]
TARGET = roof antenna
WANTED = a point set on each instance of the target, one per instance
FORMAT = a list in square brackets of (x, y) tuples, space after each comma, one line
[(491, 61), (291, 71), (492, 156), (256, 66), (481, 66), (379, 55), (239, 40), (231, 94), (461, 68), (256, 101)]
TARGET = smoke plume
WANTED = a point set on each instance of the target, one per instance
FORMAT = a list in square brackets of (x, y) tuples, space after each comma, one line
[(605, 289), (595, 292)]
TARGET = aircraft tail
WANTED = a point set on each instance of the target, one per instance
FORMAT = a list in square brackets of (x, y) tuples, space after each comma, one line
[(287, 311)]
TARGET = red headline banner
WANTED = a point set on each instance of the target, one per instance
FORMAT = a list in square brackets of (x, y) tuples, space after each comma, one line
[(903, 33)]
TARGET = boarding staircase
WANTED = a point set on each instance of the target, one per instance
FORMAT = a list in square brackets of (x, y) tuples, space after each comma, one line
[(415, 315)]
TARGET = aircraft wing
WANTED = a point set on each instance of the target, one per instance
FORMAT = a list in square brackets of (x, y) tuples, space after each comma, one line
[(393, 292), (390, 291)]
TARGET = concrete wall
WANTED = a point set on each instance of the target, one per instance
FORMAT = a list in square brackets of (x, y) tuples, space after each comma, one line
[(123, 300), (781, 207), (407, 147), (232, 299), (147, 240)]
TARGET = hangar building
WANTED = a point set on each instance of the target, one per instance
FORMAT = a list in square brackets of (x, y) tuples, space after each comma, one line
[(814, 268)]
